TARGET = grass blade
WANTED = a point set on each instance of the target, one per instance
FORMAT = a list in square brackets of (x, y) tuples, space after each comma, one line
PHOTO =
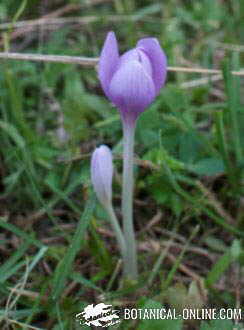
[(232, 88), (223, 263), (65, 265), (19, 232)]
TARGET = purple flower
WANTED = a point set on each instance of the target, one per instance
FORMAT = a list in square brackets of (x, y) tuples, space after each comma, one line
[(102, 174), (133, 80)]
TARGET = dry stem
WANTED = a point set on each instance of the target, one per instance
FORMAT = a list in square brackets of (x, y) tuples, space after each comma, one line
[(88, 61)]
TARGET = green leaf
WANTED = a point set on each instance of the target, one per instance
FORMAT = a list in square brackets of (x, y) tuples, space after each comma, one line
[(158, 324), (209, 166), (215, 244), (223, 263), (175, 99), (232, 86), (19, 232), (15, 269), (85, 282), (13, 133), (148, 10), (148, 125), (99, 251), (10, 263), (189, 147), (11, 180), (64, 267)]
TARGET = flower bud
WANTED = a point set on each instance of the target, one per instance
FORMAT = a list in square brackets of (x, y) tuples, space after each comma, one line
[(102, 174)]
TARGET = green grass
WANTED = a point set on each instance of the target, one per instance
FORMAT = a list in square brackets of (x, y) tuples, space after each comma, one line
[(58, 253)]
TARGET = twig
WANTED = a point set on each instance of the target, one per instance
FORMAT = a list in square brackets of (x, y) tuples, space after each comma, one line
[(114, 275), (64, 10), (27, 293), (194, 249), (59, 12), (202, 70), (155, 219), (89, 61), (159, 262), (201, 81), (23, 325), (85, 61), (26, 29), (155, 246), (235, 48), (69, 289), (49, 21), (215, 203), (184, 268), (170, 234)]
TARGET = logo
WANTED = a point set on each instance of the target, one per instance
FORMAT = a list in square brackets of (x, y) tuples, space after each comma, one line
[(100, 315)]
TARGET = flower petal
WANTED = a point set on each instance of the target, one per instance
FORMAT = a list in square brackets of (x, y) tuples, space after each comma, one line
[(130, 55), (102, 173), (145, 61), (108, 61), (136, 54), (158, 60), (131, 88)]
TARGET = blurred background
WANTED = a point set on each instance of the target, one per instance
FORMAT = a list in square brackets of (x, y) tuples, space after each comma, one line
[(58, 252)]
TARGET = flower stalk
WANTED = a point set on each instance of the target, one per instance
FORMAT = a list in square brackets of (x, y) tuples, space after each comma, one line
[(130, 264), (117, 230)]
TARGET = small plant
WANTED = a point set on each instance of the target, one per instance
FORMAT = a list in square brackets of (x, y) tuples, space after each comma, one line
[(131, 82)]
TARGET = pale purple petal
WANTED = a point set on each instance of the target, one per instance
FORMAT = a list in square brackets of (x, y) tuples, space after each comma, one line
[(108, 61), (145, 62), (102, 173), (130, 55), (132, 89), (158, 60), (137, 55)]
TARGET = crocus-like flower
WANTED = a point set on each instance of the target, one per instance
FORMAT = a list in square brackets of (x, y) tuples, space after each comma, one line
[(133, 80), (102, 174)]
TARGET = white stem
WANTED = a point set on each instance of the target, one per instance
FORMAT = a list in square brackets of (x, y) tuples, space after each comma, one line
[(117, 230), (130, 266)]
